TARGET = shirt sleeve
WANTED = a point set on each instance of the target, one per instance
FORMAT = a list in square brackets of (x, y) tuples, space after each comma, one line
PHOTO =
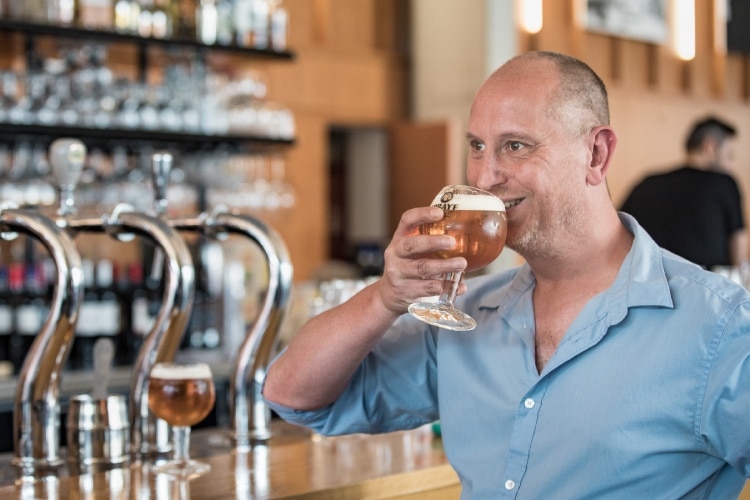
[(395, 387), (725, 419)]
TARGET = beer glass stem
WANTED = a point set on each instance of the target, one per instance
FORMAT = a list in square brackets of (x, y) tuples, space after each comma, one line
[(181, 445), (450, 288), (443, 313)]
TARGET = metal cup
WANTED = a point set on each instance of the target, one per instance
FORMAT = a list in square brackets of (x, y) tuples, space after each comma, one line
[(98, 432)]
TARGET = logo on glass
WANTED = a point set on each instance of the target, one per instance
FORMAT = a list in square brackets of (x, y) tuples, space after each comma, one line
[(444, 199)]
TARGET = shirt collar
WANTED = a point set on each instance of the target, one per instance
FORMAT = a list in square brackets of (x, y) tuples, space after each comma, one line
[(641, 280)]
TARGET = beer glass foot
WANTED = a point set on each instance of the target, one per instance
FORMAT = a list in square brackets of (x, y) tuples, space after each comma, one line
[(442, 315), (186, 469)]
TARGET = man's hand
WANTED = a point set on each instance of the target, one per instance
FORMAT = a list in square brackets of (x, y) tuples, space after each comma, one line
[(411, 271)]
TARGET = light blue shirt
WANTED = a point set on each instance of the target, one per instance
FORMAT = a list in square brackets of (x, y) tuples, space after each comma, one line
[(647, 395)]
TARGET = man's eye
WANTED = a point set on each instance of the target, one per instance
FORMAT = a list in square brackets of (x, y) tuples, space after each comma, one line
[(476, 145), (515, 146)]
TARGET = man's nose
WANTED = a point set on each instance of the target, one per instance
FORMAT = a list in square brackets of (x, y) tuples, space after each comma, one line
[(486, 173)]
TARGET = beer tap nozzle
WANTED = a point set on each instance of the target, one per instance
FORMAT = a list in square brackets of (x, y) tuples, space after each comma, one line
[(163, 340)]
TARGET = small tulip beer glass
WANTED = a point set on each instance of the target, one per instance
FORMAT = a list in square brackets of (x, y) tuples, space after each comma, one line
[(182, 395), (477, 220)]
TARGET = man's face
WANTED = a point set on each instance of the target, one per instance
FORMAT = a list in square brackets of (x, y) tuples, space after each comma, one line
[(725, 157), (522, 152)]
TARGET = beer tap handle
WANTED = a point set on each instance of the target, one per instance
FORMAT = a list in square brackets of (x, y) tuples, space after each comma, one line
[(161, 166), (67, 157)]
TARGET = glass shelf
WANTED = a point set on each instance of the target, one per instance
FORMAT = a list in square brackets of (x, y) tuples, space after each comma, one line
[(118, 136), (117, 37), (185, 141)]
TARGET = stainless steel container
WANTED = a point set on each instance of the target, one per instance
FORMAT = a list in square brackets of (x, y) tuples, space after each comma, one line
[(98, 432)]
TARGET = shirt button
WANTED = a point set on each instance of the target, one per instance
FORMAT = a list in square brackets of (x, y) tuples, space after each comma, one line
[(529, 403), (510, 484)]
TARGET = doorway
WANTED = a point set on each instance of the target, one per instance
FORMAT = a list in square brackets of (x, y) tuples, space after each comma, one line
[(358, 198)]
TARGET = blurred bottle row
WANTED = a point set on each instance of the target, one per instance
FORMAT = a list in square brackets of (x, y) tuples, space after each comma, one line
[(77, 88), (260, 24), (251, 183), (122, 279), (121, 301)]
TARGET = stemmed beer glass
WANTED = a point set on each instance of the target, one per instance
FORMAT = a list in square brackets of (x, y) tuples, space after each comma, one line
[(477, 220), (182, 395)]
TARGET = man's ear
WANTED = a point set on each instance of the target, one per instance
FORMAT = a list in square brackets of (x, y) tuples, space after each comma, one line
[(709, 147), (602, 143)]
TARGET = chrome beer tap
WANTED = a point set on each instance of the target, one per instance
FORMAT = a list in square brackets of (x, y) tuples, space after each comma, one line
[(36, 407), (147, 434), (250, 416)]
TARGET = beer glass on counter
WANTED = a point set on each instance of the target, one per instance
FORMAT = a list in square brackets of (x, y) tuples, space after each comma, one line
[(477, 220), (182, 395)]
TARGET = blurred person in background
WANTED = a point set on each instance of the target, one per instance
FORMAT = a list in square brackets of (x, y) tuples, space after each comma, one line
[(695, 210)]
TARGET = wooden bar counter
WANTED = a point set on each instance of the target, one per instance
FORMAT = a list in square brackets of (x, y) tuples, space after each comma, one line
[(294, 464)]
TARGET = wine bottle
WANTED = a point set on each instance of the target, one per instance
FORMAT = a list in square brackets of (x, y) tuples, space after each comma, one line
[(206, 22), (108, 308), (124, 292), (279, 27), (15, 286), (242, 17), (82, 353), (224, 22), (141, 317), (31, 311), (6, 315), (100, 313), (261, 24), (162, 19)]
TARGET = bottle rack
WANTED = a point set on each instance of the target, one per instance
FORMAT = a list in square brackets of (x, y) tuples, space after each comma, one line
[(131, 291), (106, 137), (34, 29)]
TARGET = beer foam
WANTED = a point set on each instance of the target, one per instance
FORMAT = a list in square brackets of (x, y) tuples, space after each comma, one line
[(486, 202), (181, 372)]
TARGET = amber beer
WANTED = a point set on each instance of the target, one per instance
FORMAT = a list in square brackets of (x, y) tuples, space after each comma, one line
[(182, 395), (476, 221)]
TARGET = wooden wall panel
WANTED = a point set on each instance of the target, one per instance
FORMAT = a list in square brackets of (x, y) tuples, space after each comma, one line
[(349, 69), (598, 51), (559, 24), (12, 44), (305, 228), (420, 165), (670, 73), (738, 78), (633, 64)]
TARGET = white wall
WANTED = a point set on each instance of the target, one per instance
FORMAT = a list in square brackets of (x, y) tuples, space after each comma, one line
[(367, 184), (501, 38), (455, 46)]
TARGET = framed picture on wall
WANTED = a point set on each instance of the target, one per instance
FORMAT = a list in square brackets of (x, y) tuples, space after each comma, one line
[(738, 34), (644, 20)]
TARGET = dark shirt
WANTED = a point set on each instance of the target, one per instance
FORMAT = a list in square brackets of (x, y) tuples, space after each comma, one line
[(690, 212)]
